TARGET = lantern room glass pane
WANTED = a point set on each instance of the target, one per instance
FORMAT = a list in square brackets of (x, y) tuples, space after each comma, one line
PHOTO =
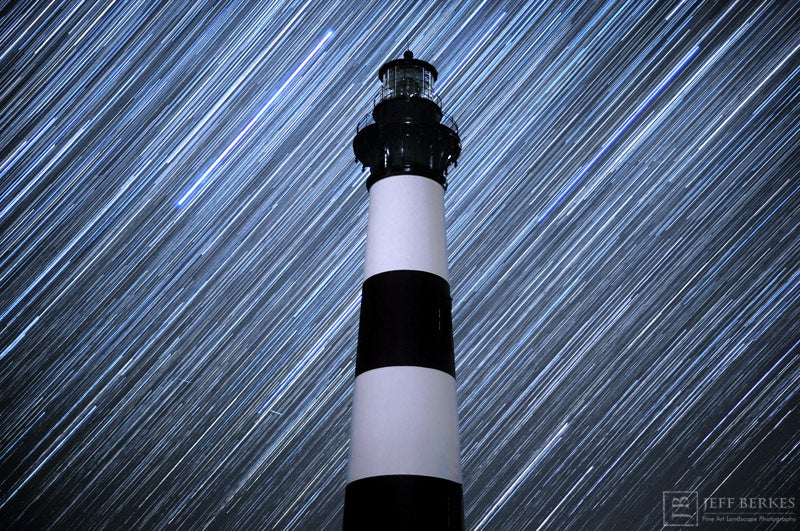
[(427, 85), (408, 81)]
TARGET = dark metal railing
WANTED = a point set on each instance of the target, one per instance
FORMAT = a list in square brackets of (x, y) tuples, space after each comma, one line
[(386, 94), (368, 119)]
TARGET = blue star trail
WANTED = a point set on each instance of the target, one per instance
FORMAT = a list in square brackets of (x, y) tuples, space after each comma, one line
[(182, 228), (252, 122), (617, 134)]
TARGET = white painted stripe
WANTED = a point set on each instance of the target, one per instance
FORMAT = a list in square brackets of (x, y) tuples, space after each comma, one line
[(404, 422), (406, 226)]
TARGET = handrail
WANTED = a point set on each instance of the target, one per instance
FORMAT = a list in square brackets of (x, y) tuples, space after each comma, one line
[(365, 121), (450, 122), (446, 120), (379, 97)]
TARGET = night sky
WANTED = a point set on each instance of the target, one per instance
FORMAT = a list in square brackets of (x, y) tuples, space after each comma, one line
[(182, 227)]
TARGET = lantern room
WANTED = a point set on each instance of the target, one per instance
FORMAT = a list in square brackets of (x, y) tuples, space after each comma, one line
[(407, 78)]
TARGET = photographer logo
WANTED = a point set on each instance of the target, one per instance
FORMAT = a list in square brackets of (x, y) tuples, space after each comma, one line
[(680, 508)]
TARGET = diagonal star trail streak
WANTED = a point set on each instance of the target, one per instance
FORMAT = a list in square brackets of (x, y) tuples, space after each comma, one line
[(200, 180), (182, 230), (575, 181)]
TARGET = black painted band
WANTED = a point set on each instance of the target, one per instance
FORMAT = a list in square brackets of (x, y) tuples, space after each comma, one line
[(406, 319), (403, 502)]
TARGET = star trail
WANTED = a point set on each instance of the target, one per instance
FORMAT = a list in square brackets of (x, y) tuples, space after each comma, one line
[(182, 228)]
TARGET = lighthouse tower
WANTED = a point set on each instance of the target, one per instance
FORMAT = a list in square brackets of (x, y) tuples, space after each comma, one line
[(404, 470)]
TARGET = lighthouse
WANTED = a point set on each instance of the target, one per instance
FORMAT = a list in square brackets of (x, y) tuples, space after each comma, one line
[(404, 470)]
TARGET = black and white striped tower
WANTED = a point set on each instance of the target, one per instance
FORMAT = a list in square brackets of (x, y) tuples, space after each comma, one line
[(404, 470)]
